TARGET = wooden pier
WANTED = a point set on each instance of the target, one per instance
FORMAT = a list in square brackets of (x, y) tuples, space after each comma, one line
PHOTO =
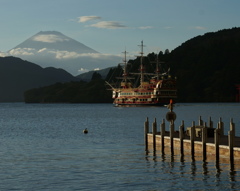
[(200, 140)]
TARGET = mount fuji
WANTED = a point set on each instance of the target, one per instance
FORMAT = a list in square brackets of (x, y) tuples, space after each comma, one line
[(53, 49)]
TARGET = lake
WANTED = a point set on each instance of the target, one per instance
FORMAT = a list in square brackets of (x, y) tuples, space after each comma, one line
[(43, 147)]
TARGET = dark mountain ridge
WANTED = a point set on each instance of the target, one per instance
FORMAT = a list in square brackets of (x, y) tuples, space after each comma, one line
[(207, 67), (17, 76)]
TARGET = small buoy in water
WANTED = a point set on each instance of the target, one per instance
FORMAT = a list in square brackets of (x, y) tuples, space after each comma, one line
[(85, 131)]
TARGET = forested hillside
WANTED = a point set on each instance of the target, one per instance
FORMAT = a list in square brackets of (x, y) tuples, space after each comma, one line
[(207, 67), (70, 92)]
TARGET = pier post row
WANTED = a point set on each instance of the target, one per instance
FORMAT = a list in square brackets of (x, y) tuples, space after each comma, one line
[(201, 140)]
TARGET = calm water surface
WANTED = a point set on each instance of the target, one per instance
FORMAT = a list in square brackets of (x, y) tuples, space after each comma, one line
[(42, 147)]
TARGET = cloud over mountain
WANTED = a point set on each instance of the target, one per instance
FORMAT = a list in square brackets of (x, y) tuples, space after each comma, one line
[(83, 19), (108, 25), (51, 48), (49, 38), (101, 24)]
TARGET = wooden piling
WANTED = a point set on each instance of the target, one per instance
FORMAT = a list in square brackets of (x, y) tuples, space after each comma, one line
[(232, 126), (154, 132), (231, 135), (146, 131), (171, 136), (200, 122), (216, 141), (230, 144), (162, 135), (192, 138), (204, 141), (220, 126), (181, 136), (210, 123)]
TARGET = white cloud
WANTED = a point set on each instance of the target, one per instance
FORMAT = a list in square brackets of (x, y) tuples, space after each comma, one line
[(73, 55), (65, 54), (22, 51), (83, 70), (84, 19), (3, 54), (146, 27), (96, 69), (42, 50), (49, 38), (108, 25), (57, 54), (67, 60)]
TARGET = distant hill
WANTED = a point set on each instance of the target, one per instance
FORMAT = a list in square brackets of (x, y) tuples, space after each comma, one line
[(54, 49), (207, 67), (70, 92), (87, 76), (17, 76)]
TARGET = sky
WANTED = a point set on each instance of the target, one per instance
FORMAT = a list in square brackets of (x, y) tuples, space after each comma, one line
[(113, 26)]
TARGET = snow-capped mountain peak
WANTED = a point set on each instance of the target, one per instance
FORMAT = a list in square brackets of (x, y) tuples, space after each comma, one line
[(52, 48), (56, 41)]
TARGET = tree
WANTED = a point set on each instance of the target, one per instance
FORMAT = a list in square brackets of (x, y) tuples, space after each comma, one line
[(166, 51), (96, 76)]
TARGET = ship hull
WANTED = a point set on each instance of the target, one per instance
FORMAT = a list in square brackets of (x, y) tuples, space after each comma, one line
[(131, 104), (140, 104)]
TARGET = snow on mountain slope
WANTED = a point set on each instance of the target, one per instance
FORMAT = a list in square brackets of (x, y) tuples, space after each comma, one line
[(52, 48)]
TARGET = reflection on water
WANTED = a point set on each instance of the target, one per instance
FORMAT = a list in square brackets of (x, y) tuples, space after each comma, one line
[(191, 171)]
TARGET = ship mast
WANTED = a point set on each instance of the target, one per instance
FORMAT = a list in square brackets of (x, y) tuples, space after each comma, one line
[(157, 69), (125, 83), (141, 65), (125, 67)]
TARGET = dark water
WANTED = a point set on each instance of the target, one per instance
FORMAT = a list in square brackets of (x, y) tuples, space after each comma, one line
[(42, 147)]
